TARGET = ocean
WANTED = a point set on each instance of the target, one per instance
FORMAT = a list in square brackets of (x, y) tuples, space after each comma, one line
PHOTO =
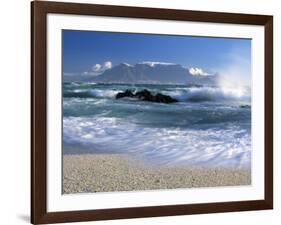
[(210, 126)]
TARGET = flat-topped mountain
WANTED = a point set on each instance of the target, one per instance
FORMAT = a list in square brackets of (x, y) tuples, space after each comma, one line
[(153, 73)]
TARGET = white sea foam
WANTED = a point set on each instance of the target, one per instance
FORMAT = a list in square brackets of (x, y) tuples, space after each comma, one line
[(209, 94), (228, 147), (97, 93), (104, 93)]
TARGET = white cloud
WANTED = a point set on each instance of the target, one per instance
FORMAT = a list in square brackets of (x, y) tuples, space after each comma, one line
[(195, 71), (107, 65), (152, 64), (98, 69)]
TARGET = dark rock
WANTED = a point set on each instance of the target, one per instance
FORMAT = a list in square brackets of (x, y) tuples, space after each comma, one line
[(127, 93), (164, 98), (146, 95), (245, 106)]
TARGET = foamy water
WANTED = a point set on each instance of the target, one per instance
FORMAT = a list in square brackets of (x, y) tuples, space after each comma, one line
[(206, 128)]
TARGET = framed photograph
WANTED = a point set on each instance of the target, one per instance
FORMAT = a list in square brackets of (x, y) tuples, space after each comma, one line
[(144, 112)]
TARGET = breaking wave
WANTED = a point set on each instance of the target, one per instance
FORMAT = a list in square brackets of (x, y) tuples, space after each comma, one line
[(90, 93), (190, 94), (198, 94)]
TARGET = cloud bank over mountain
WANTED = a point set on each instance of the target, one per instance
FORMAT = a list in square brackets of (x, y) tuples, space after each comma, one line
[(198, 72)]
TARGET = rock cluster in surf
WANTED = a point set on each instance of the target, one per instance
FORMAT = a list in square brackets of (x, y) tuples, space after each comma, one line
[(146, 95)]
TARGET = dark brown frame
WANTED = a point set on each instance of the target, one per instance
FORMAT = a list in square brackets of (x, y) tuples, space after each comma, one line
[(39, 11)]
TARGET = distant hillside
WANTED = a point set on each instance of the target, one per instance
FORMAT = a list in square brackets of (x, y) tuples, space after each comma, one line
[(148, 72)]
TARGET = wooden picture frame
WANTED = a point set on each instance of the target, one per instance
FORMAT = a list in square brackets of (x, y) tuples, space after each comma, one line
[(39, 12)]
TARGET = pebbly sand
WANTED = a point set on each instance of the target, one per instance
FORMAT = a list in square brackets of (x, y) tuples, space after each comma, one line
[(116, 172)]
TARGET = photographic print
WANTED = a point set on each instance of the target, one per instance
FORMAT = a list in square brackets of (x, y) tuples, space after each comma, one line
[(149, 111)]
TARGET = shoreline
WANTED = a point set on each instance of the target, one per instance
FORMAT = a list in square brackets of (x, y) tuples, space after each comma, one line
[(89, 173)]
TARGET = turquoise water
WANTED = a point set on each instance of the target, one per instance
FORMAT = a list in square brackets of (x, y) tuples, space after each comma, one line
[(207, 127)]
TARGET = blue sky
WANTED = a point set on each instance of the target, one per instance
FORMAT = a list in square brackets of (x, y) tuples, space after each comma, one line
[(82, 50)]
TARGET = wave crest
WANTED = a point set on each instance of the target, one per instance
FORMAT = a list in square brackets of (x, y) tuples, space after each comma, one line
[(91, 93), (198, 94), (185, 94)]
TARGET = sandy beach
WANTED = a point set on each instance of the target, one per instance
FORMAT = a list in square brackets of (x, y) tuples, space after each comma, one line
[(118, 172)]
